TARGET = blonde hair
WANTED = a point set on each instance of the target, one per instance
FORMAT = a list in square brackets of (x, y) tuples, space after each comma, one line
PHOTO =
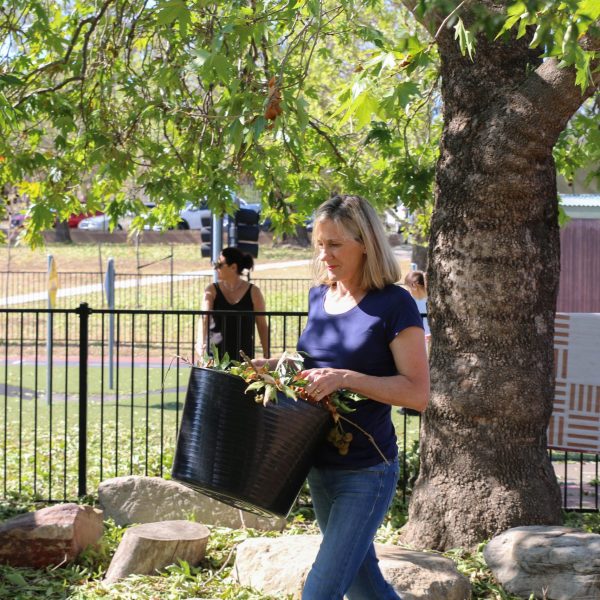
[(360, 220)]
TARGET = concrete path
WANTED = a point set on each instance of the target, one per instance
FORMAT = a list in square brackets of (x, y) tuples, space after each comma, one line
[(579, 484), (96, 288)]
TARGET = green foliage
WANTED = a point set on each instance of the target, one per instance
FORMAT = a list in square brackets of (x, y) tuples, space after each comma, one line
[(15, 504), (466, 39), (589, 522), (167, 102), (473, 566), (578, 147), (560, 26)]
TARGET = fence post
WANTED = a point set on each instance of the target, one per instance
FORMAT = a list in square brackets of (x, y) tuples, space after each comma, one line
[(172, 269), (84, 313), (109, 291), (9, 247), (137, 263), (52, 284), (100, 264)]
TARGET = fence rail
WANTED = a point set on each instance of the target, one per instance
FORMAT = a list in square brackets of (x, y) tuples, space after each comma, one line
[(171, 291), (75, 410)]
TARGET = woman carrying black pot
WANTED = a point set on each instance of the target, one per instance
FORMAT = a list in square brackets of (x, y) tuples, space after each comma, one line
[(232, 333), (364, 334)]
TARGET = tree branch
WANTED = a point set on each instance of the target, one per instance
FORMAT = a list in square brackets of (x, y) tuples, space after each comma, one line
[(327, 137), (441, 27), (552, 91), (47, 90), (432, 20), (93, 22)]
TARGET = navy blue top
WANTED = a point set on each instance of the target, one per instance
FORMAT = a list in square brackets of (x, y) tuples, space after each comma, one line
[(359, 340)]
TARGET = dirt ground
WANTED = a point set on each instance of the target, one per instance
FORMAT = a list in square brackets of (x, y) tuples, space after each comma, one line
[(177, 250)]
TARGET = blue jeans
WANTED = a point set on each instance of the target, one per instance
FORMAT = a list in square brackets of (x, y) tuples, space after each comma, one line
[(349, 506)]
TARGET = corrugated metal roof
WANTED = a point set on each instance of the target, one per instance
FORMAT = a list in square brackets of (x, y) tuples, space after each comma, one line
[(588, 200)]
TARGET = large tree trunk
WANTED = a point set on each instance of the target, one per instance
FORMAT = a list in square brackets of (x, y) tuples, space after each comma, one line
[(493, 274), (62, 232), (419, 256)]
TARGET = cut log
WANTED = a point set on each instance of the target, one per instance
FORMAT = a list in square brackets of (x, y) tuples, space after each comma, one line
[(147, 548), (49, 536)]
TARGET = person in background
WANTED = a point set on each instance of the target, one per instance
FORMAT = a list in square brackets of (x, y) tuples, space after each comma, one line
[(364, 334), (232, 293), (415, 282)]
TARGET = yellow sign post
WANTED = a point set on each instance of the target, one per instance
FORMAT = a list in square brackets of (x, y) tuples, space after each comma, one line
[(52, 282)]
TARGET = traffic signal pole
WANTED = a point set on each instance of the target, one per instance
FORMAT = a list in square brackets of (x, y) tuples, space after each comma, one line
[(216, 240)]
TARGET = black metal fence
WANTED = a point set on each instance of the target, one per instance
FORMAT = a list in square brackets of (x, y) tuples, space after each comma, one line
[(179, 291), (77, 408)]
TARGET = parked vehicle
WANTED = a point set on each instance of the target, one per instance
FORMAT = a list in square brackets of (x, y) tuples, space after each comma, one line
[(74, 219), (199, 217), (98, 223), (17, 221), (192, 216), (255, 206)]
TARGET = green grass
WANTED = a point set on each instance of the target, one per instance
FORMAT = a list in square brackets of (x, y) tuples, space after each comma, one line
[(213, 578), (84, 265), (131, 429), (88, 257)]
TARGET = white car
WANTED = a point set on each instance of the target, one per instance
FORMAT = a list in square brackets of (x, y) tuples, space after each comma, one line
[(255, 206), (98, 223), (198, 217), (192, 217)]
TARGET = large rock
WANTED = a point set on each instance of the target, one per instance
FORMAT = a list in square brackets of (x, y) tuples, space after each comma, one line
[(50, 536), (555, 563), (135, 499), (151, 547), (278, 566)]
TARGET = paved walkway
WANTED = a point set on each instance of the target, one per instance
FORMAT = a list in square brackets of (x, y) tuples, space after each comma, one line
[(581, 491), (403, 252), (96, 288)]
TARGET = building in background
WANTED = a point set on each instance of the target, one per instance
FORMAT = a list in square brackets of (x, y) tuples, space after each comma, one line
[(579, 288)]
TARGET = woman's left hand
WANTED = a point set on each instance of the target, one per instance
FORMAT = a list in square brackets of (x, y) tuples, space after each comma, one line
[(322, 382)]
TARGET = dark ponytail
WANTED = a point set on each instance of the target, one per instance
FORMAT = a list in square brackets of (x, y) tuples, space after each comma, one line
[(417, 277), (243, 260)]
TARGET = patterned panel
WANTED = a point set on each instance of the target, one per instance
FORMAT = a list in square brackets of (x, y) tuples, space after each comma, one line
[(575, 421)]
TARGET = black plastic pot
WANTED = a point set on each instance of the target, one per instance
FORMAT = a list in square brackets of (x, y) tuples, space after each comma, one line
[(242, 453)]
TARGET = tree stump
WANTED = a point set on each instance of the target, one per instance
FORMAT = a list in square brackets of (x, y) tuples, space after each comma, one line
[(147, 548)]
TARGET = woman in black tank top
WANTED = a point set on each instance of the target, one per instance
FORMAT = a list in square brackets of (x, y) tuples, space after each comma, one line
[(232, 333)]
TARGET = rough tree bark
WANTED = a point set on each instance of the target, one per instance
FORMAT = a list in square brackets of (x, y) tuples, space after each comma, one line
[(494, 262), (419, 256), (62, 234), (300, 238)]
